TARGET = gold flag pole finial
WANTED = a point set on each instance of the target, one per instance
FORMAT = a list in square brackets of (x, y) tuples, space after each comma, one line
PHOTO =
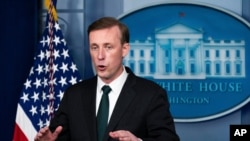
[(51, 8)]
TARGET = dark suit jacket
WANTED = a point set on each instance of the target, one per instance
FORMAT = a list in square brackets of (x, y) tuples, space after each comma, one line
[(142, 108)]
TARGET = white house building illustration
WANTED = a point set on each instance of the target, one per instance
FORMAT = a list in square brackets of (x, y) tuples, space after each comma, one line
[(181, 52)]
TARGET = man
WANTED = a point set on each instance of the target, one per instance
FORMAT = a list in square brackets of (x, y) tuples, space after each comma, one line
[(138, 108)]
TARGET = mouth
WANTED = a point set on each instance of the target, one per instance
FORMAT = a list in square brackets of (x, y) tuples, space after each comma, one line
[(101, 67)]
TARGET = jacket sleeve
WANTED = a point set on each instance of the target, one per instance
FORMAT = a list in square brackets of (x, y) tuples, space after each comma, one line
[(60, 119), (159, 120)]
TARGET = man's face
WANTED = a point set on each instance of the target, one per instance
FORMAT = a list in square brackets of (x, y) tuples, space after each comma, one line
[(107, 52)]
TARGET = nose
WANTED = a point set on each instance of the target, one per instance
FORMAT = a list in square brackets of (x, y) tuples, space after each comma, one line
[(101, 54)]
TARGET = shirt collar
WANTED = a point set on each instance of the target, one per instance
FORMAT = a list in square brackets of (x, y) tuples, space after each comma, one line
[(116, 85)]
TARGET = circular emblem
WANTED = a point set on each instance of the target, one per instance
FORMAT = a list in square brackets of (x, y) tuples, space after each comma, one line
[(196, 52)]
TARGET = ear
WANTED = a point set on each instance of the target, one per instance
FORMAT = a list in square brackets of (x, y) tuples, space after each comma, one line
[(125, 49)]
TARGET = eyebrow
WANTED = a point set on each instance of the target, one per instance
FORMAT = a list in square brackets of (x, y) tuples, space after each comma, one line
[(102, 44)]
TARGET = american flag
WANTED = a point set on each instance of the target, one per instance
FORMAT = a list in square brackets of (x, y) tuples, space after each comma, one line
[(52, 72)]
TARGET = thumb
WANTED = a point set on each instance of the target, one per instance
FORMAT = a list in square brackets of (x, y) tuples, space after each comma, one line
[(57, 131)]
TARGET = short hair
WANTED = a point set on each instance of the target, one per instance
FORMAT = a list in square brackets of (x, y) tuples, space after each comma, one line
[(107, 22)]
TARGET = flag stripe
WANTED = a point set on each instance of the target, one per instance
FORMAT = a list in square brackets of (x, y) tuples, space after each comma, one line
[(23, 122), (18, 134)]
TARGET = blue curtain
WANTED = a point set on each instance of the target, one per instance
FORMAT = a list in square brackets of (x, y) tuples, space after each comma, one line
[(19, 30)]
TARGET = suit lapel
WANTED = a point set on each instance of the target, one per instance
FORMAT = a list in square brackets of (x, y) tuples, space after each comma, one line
[(126, 96), (89, 98)]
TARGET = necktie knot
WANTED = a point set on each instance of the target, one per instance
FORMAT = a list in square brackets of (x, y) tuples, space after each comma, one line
[(106, 89)]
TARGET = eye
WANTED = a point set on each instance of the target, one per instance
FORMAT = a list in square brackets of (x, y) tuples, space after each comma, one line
[(108, 47), (94, 47)]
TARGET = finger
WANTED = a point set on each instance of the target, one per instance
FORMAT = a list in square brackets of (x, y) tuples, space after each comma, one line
[(125, 139), (44, 130), (120, 134), (38, 136), (123, 135), (114, 134), (41, 132), (36, 139), (57, 131)]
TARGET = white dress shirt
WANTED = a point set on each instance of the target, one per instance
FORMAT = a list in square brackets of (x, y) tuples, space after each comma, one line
[(116, 87)]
